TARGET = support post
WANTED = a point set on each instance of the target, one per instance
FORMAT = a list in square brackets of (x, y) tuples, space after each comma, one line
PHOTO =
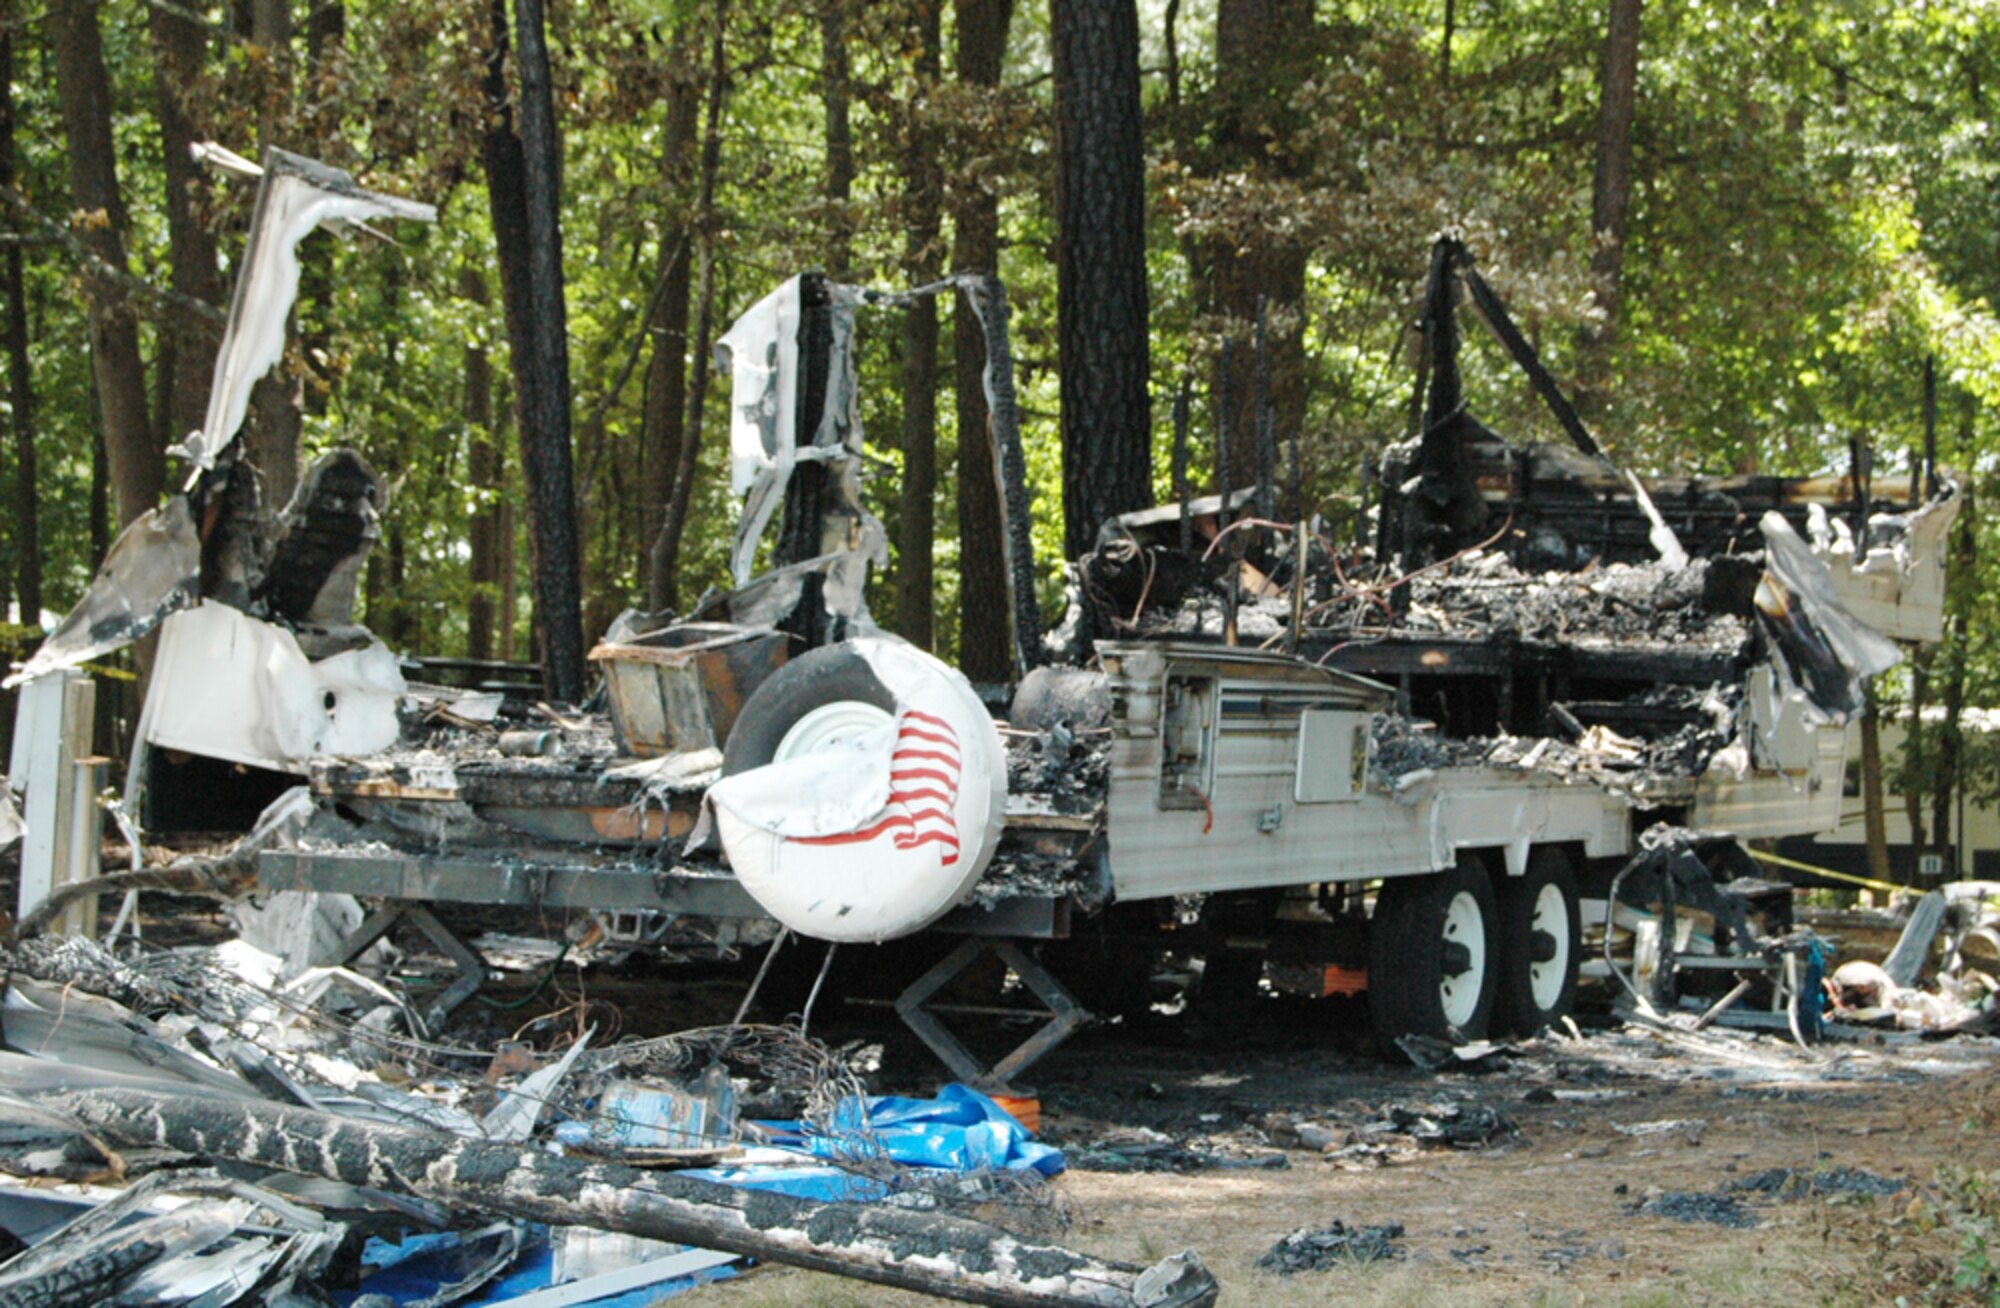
[(51, 737)]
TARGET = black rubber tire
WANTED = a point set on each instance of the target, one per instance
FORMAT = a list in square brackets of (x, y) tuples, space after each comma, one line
[(1406, 945), (1515, 1011), (827, 675)]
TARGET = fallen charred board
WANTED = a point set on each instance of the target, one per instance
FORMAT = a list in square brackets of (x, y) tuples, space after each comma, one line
[(932, 1253)]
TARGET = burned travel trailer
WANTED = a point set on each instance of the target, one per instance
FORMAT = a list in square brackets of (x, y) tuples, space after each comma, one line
[(1421, 765), (1412, 765)]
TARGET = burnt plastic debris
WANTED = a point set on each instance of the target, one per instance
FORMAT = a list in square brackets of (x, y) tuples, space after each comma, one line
[(1333, 1245)]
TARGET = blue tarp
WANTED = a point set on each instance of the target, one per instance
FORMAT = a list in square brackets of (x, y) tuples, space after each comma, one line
[(961, 1129)]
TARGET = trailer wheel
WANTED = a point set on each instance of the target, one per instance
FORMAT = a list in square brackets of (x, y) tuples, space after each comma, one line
[(814, 701), (1430, 957), (1540, 937), (863, 791)]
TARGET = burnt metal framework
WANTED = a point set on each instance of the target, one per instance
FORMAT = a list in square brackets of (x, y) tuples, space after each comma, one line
[(1062, 1016), (1565, 508)]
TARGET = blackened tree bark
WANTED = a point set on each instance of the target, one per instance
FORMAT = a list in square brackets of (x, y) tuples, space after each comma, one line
[(20, 387), (1611, 187), (523, 186), (982, 559), (510, 536), (1100, 266), (1913, 777), (1444, 45), (187, 341), (1960, 598), (100, 502), (323, 95), (1874, 810), (486, 467), (1263, 50), (667, 549), (392, 613), (137, 465), (836, 79), (277, 402), (665, 409), (326, 32), (916, 574)]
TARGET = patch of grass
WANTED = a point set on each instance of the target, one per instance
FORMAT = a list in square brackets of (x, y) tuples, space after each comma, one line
[(1969, 1203)]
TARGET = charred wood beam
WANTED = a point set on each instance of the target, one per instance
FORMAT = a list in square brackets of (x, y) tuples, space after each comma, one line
[(1445, 512), (988, 298), (932, 1253), (227, 877), (1502, 323), (802, 530)]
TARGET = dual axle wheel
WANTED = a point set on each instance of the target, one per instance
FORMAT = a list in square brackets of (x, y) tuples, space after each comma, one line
[(1461, 954)]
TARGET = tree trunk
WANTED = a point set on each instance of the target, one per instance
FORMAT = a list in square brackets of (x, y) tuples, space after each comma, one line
[(837, 90), (1874, 813), (1611, 187), (326, 32), (667, 549), (523, 186), (137, 464), (100, 502), (323, 96), (403, 628), (1444, 45), (20, 378), (187, 341), (487, 470), (1961, 595), (510, 580), (1915, 779), (1262, 50), (277, 402), (1100, 266), (929, 1252), (982, 553), (916, 573), (665, 416)]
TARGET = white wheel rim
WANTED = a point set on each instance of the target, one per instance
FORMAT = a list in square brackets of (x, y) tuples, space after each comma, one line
[(1545, 980), (1464, 925), (828, 725)]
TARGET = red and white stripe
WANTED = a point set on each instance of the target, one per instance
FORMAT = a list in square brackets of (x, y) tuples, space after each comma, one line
[(923, 790)]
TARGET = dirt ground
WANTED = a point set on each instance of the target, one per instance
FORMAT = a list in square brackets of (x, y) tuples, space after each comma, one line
[(1564, 1208)]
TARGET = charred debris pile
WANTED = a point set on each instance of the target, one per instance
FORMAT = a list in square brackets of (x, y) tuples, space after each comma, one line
[(222, 1126), (1536, 607)]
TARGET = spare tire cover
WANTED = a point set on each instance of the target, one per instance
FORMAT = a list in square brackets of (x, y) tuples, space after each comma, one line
[(863, 793)]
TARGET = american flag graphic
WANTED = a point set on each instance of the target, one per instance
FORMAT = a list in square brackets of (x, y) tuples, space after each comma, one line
[(923, 790)]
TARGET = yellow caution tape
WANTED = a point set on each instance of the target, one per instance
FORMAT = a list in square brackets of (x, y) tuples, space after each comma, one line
[(1869, 882)]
